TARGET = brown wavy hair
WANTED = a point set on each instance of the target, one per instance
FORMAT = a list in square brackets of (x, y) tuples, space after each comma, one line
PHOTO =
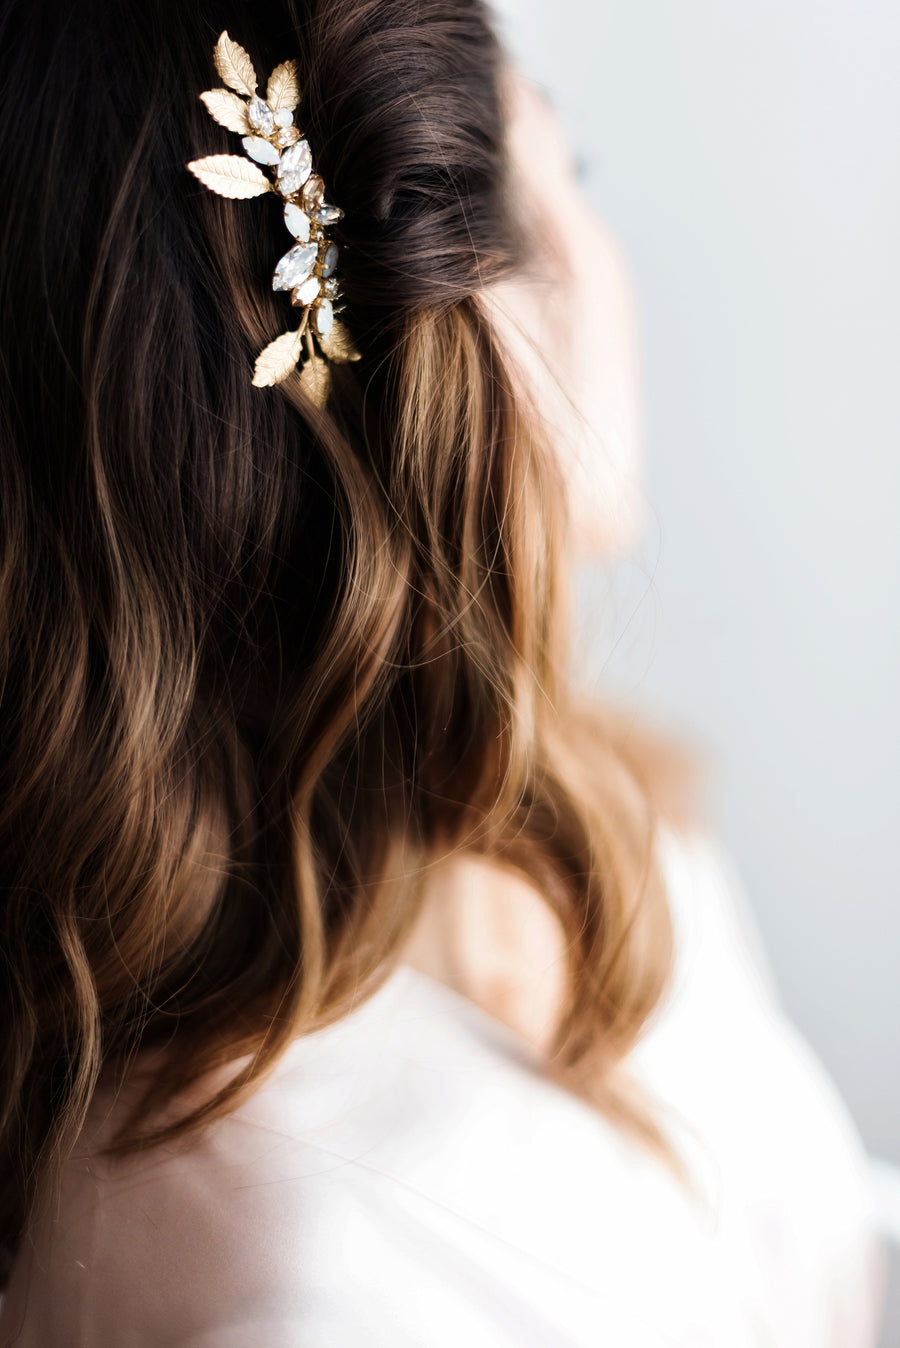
[(264, 665)]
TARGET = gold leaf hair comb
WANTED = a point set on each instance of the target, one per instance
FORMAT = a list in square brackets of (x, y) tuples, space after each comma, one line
[(271, 139)]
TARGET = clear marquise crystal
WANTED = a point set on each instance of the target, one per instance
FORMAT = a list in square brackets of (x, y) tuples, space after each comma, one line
[(294, 167), (294, 267), (324, 317), (296, 221), (326, 214), (260, 150), (307, 292), (260, 116), (329, 261)]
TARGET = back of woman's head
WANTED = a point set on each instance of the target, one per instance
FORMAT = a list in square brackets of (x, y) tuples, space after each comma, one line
[(262, 663)]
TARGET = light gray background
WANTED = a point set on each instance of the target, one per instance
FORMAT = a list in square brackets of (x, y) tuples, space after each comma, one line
[(748, 158)]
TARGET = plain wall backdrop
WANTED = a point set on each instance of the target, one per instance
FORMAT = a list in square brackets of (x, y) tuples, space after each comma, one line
[(747, 156)]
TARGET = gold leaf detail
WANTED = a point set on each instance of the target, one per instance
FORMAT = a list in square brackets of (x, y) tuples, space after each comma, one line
[(276, 360), (228, 110), (234, 66), (230, 176), (338, 345), (283, 90), (315, 380)]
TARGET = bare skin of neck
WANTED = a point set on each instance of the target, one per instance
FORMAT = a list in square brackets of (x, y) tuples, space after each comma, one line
[(487, 933)]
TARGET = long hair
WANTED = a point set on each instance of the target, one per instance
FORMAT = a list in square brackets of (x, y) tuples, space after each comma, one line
[(262, 665)]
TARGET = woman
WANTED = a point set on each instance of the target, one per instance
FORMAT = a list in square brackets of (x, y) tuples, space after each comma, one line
[(365, 986)]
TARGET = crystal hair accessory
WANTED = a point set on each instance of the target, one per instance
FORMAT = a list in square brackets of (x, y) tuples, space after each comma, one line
[(307, 269)]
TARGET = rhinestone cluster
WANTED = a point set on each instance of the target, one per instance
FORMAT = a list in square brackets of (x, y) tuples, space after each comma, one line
[(271, 139)]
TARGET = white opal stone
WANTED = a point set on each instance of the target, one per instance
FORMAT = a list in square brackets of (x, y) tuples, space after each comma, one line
[(283, 117), (260, 116), (296, 221), (329, 261), (294, 168), (260, 150), (307, 292), (294, 267), (324, 317)]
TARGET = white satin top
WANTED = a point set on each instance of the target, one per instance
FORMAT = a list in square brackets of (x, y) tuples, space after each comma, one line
[(408, 1179)]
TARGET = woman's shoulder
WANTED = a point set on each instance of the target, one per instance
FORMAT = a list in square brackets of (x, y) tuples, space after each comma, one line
[(201, 1236), (406, 1175), (771, 1139)]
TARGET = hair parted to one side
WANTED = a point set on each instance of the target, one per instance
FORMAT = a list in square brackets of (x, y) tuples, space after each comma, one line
[(264, 664)]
